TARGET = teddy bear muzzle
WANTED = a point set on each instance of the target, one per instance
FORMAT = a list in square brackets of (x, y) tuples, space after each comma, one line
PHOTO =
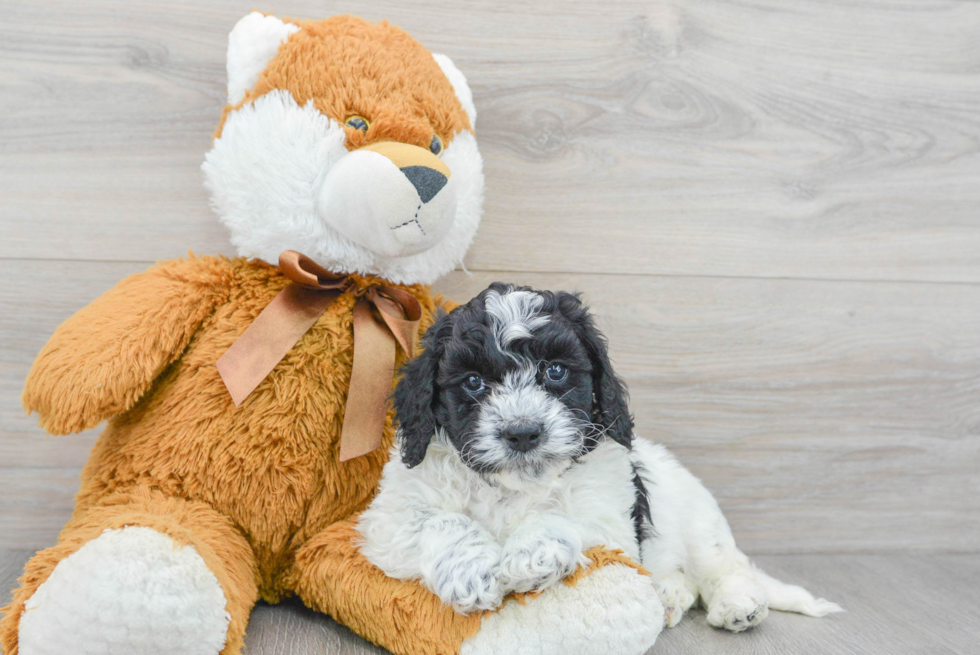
[(394, 199)]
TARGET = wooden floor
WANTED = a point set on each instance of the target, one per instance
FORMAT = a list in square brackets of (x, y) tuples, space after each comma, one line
[(773, 206), (924, 604)]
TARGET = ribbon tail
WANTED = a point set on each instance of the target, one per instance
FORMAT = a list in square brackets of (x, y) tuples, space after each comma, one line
[(402, 314), (271, 335), (370, 385)]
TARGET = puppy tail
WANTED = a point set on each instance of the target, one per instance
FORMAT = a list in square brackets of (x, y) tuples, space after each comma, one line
[(792, 598)]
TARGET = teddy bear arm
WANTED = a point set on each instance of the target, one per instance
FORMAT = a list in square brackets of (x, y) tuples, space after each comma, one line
[(100, 361)]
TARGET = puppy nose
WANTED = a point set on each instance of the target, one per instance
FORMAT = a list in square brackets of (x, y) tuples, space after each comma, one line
[(523, 437), (427, 181)]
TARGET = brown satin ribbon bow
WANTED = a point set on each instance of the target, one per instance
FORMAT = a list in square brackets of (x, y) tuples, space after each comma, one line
[(294, 311)]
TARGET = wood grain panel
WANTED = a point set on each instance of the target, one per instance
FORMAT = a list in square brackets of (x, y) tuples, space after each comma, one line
[(35, 503), (800, 139), (883, 595), (825, 416)]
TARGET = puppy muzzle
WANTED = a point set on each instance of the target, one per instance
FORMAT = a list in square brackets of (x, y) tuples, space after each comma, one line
[(392, 198), (522, 437)]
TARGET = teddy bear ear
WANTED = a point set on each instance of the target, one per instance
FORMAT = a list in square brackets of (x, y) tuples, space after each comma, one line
[(462, 89), (252, 44)]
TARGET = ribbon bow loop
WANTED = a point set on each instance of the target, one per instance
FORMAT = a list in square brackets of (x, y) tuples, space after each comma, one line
[(304, 271), (295, 310)]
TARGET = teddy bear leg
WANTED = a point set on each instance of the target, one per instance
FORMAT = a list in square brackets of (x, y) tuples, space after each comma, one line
[(331, 576), (138, 573)]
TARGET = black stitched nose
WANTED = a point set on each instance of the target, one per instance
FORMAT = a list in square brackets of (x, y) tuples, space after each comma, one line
[(427, 181), (523, 437)]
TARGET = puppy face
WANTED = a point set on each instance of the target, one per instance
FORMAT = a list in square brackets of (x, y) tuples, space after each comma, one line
[(519, 381)]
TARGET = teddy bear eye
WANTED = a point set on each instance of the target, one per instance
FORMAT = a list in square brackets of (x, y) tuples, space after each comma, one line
[(358, 123), (435, 145)]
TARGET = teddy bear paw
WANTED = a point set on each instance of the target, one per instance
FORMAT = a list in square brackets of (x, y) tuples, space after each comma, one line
[(130, 590)]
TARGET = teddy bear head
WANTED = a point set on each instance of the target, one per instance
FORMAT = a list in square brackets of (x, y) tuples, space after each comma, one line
[(348, 142)]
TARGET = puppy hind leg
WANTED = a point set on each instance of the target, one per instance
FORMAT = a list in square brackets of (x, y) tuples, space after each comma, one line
[(662, 555), (663, 550), (736, 602), (727, 584), (676, 596)]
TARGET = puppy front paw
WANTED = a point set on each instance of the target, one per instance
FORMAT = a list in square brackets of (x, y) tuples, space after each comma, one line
[(536, 560), (467, 580)]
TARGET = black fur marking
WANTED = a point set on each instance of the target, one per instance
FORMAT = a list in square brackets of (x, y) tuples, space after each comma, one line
[(642, 519)]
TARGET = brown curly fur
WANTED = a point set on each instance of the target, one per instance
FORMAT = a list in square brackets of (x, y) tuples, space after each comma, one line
[(268, 471), (376, 71)]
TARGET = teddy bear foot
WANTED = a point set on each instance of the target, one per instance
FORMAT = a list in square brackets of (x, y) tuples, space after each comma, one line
[(612, 610), (130, 590)]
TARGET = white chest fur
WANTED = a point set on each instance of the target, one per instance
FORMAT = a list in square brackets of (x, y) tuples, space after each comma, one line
[(596, 495)]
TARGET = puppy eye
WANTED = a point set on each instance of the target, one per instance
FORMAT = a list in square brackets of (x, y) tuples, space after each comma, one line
[(556, 373), (473, 384), (435, 145), (358, 123)]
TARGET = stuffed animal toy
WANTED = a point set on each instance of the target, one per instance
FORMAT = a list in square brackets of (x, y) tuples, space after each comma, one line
[(246, 396)]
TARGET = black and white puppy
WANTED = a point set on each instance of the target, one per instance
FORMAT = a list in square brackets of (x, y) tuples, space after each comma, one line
[(516, 454)]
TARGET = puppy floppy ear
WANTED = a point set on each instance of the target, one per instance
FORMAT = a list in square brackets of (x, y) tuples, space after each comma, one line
[(610, 406), (415, 397)]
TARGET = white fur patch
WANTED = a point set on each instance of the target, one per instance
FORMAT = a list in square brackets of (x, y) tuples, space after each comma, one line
[(613, 610), (515, 314), (131, 590), (264, 173), (252, 44), (427, 510)]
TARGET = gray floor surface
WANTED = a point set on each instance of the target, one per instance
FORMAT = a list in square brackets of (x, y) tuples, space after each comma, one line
[(925, 604)]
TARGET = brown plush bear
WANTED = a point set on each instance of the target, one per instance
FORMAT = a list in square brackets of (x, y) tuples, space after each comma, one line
[(212, 488)]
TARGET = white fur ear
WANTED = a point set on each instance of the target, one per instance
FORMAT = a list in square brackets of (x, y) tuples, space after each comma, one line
[(252, 44), (458, 80)]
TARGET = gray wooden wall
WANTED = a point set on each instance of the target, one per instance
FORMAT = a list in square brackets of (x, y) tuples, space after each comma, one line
[(774, 206)]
